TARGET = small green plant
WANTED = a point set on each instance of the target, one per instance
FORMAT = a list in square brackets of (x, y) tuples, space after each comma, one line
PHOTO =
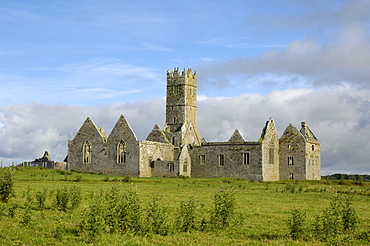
[(12, 210), (75, 196), (27, 216), (223, 209), (41, 198), (78, 179), (296, 223), (157, 222), (185, 215), (61, 198), (338, 218), (58, 229), (6, 183), (349, 215), (126, 179), (93, 218)]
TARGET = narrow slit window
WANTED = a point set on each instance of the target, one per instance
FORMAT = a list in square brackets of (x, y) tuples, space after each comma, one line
[(221, 160)]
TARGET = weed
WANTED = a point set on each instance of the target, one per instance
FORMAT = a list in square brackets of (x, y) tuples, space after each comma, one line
[(94, 218), (296, 223), (41, 198), (185, 219), (338, 218), (223, 209), (27, 216), (126, 179), (78, 179), (6, 183), (11, 210), (157, 217), (61, 198), (58, 230), (75, 196)]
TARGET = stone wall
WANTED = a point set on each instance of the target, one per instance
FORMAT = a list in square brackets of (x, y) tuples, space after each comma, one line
[(207, 160), (151, 152)]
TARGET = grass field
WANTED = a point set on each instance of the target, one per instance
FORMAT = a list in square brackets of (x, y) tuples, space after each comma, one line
[(265, 206)]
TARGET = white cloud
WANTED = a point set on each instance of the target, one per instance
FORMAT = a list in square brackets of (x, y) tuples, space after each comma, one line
[(339, 118)]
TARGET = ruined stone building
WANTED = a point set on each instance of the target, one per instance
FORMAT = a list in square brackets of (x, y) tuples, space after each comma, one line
[(44, 161), (178, 148)]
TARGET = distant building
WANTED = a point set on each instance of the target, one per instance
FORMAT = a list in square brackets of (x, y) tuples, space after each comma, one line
[(179, 149), (46, 162)]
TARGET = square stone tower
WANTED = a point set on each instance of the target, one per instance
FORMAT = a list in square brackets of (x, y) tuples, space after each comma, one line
[(181, 108)]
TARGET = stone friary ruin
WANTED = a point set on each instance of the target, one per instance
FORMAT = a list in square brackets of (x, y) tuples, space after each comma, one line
[(178, 148)]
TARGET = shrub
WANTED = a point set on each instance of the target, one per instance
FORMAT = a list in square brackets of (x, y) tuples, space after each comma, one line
[(338, 218), (6, 183), (41, 198), (223, 209), (296, 223), (157, 218), (12, 209), (185, 215), (93, 220), (129, 211), (78, 179), (126, 179), (75, 196), (61, 198)]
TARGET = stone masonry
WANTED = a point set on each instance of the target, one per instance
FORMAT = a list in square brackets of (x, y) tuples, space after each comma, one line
[(179, 149)]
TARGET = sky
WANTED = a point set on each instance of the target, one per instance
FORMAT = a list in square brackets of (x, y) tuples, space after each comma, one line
[(292, 60)]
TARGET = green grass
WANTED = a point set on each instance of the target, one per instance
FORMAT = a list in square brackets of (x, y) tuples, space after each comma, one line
[(266, 206)]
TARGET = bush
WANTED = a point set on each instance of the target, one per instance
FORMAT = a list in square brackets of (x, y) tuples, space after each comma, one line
[(41, 198), (296, 223), (157, 218), (65, 197), (185, 218), (338, 218), (6, 183), (223, 209)]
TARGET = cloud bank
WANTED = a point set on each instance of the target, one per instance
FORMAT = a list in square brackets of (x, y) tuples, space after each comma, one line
[(340, 118)]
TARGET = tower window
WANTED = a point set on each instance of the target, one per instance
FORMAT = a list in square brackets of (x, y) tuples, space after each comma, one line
[(174, 119), (313, 147), (290, 161)]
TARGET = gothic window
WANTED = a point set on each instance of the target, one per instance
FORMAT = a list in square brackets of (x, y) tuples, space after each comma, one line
[(221, 160), (246, 158), (185, 168), (174, 119), (202, 159), (121, 152), (87, 152), (290, 161)]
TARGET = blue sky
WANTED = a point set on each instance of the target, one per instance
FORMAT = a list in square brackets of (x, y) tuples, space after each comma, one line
[(293, 60)]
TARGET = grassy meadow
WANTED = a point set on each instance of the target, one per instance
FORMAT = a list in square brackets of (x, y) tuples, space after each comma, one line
[(263, 207)]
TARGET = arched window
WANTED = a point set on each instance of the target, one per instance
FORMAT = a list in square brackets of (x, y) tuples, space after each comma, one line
[(121, 152), (87, 152)]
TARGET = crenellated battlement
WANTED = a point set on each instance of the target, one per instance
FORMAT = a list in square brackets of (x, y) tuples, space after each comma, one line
[(185, 77)]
